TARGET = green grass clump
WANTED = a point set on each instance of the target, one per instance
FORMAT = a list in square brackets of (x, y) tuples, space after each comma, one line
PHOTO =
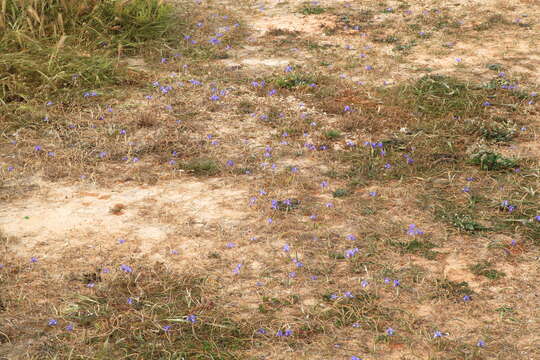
[(341, 193), (437, 95), (294, 81), (495, 131), (415, 246), (463, 221), (93, 23), (485, 269), (52, 46), (311, 9), (202, 166), (25, 74), (489, 160), (332, 134)]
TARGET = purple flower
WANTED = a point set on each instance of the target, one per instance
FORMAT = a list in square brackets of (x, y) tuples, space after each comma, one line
[(69, 327), (467, 298), (230, 245), (214, 98), (237, 268), (348, 294), (230, 163), (356, 325), (364, 283), (480, 343), (126, 268), (413, 230), (166, 328), (33, 260), (37, 148), (396, 283), (438, 334), (351, 252), (390, 331), (410, 161), (191, 318), (130, 301), (351, 237), (52, 322), (261, 331), (292, 274)]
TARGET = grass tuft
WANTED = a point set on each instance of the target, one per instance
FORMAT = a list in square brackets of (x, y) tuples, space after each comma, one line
[(438, 95)]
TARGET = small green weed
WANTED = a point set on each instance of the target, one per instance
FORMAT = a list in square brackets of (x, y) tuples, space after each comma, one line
[(465, 222), (202, 166), (498, 132), (294, 81), (311, 9), (338, 193), (490, 160), (417, 247), (332, 134), (486, 269)]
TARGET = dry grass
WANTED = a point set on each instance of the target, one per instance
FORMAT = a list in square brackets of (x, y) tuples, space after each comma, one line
[(305, 191)]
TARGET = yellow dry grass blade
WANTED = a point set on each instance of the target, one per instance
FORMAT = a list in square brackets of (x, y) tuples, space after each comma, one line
[(34, 14), (60, 22), (59, 45), (3, 10)]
